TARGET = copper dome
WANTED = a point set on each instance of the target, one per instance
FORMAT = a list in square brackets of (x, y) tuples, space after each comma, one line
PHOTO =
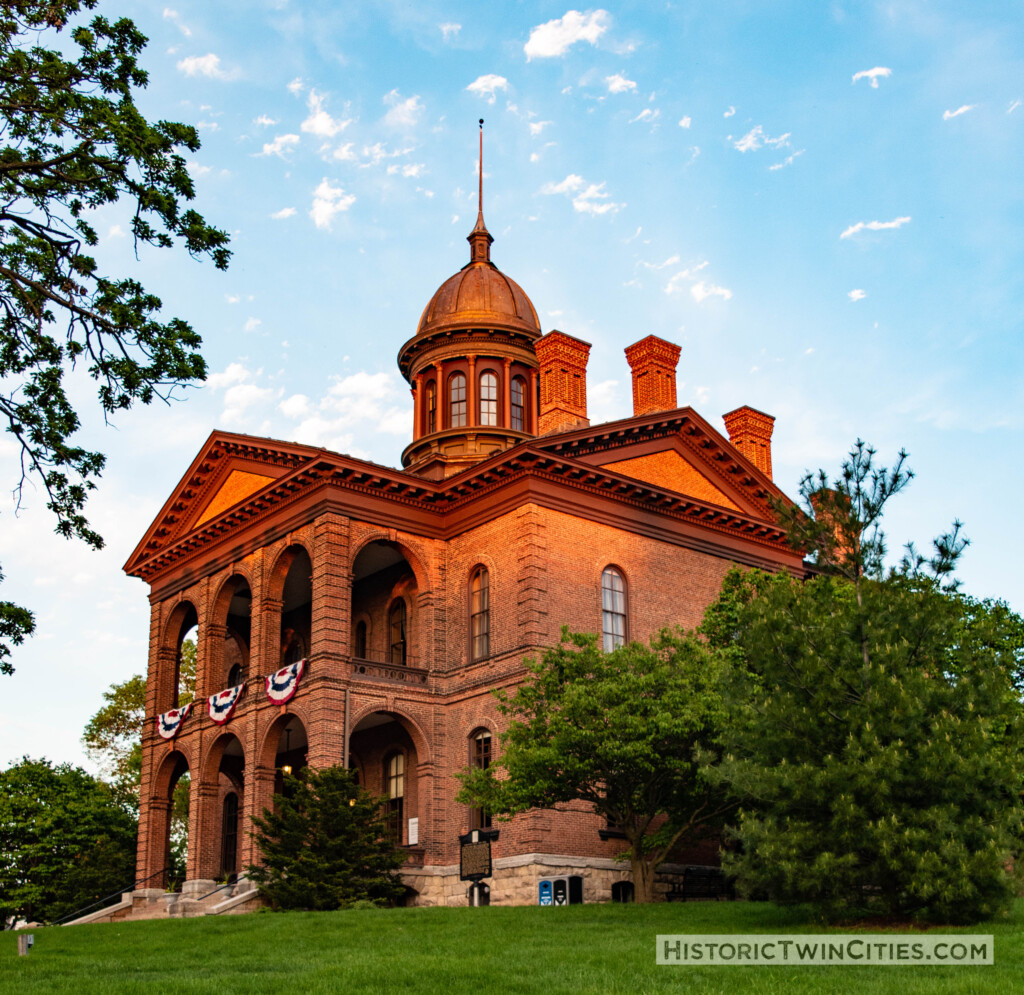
[(479, 296)]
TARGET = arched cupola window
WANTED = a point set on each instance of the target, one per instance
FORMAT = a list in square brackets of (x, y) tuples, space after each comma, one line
[(457, 401), (488, 399), (613, 608), (518, 408), (396, 630), (480, 613), (431, 407)]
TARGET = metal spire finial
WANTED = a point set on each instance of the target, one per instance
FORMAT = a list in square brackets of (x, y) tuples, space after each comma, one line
[(480, 238)]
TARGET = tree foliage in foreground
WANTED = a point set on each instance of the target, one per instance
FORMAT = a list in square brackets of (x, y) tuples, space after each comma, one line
[(64, 842), (72, 142), (631, 732), (324, 845), (876, 740)]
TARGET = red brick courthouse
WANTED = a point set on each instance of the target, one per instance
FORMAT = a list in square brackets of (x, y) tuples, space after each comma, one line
[(412, 593)]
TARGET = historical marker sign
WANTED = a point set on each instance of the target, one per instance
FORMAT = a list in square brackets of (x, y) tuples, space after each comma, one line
[(475, 855)]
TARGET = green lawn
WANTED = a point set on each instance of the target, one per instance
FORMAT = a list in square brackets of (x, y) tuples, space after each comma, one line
[(588, 948)]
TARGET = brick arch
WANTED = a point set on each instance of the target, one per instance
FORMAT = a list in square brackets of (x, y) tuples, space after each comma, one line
[(274, 587), (169, 650), (175, 621), (417, 560), (219, 604), (165, 773), (424, 754), (210, 765), (267, 753)]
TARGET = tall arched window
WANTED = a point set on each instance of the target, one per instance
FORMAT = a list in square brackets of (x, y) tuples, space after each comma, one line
[(488, 399), (431, 407), (480, 757), (518, 404), (480, 613), (457, 401), (394, 792), (613, 608), (396, 629), (229, 834)]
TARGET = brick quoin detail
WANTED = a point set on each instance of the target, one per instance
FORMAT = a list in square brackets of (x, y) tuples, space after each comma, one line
[(652, 362), (750, 431)]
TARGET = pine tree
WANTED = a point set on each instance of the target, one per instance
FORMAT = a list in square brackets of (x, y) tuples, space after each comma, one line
[(324, 845)]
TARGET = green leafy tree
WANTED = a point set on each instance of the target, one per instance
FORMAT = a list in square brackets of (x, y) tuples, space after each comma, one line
[(72, 141), (324, 845), (65, 842), (876, 737), (631, 732)]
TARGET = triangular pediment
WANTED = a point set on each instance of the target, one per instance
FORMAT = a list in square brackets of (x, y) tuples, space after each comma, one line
[(230, 469), (668, 468)]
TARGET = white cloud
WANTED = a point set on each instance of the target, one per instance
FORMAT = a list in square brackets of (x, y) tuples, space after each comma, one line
[(588, 198), (296, 86), (319, 122), (412, 169), (235, 373), (296, 406), (285, 212), (328, 201), (558, 36), (856, 295), (685, 121), (646, 115), (240, 398), (873, 75), (488, 86), (536, 127), (788, 161), (619, 84), (205, 65), (671, 261), (1013, 106), (116, 231), (680, 279), (251, 324), (449, 30), (403, 113), (946, 115), (729, 112), (756, 138), (874, 226), (175, 18), (702, 291), (231, 299), (280, 145), (264, 122)]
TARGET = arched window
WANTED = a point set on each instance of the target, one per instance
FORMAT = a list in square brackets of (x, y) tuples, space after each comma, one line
[(613, 608), (359, 649), (229, 835), (235, 675), (396, 629), (457, 401), (394, 792), (518, 404), (488, 399), (480, 757), (431, 407), (480, 613)]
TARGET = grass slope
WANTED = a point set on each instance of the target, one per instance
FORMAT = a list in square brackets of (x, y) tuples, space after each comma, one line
[(587, 948)]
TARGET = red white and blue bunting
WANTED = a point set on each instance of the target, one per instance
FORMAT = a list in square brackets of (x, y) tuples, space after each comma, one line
[(169, 723), (281, 687), (220, 706)]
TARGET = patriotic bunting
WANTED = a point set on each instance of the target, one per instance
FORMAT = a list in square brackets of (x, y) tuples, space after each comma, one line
[(220, 706), (281, 687), (169, 723)]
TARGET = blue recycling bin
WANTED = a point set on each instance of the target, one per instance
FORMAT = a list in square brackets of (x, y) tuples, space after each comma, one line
[(544, 897)]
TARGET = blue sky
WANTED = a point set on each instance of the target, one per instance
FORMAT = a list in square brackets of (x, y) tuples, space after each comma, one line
[(820, 202)]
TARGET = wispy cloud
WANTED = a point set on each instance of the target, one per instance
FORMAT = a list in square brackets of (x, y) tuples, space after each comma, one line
[(556, 37), (296, 86), (175, 18), (1013, 106), (488, 86), (671, 261), (449, 30), (536, 127), (788, 161), (619, 84), (587, 198), (702, 291), (411, 169), (328, 201), (319, 122), (946, 115), (874, 226), (879, 72), (756, 139), (729, 112), (685, 121), (280, 145), (205, 65), (648, 115), (285, 212), (404, 113), (264, 122), (856, 295)]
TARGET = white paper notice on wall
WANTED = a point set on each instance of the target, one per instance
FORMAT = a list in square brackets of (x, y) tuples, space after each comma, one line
[(414, 832)]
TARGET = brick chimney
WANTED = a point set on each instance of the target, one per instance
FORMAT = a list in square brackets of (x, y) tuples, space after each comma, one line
[(653, 363), (563, 382), (750, 431)]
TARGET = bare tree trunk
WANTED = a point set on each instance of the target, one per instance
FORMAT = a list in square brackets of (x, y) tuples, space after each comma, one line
[(643, 878)]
